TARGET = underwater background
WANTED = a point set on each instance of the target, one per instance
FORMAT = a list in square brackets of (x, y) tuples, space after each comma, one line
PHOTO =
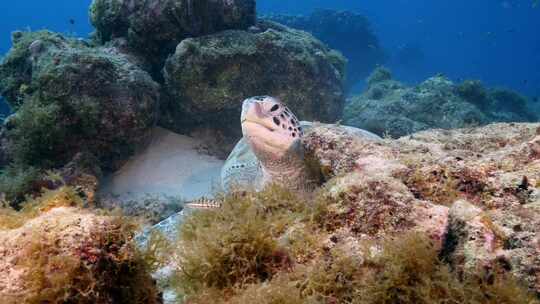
[(243, 151), (497, 42)]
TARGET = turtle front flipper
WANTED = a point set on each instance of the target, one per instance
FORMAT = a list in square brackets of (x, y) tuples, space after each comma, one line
[(242, 170)]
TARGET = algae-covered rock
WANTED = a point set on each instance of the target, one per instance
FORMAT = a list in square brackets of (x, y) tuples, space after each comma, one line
[(438, 216), (345, 31), (154, 28), (70, 98), (209, 77), (57, 252), (365, 196), (389, 107), (488, 176), (497, 240)]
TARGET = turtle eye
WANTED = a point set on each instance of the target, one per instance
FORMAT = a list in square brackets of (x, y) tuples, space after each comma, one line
[(274, 108)]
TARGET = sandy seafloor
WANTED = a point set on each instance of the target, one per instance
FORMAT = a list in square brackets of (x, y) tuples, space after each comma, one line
[(172, 165)]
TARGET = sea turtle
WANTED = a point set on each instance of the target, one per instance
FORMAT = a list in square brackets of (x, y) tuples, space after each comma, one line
[(270, 151)]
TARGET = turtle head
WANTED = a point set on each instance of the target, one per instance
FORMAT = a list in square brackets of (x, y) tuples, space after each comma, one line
[(270, 128)]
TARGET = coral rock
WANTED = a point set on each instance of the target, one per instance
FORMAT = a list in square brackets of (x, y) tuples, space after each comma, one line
[(71, 98), (153, 28), (209, 77), (55, 255), (486, 175), (534, 145), (336, 28), (389, 107), (480, 242)]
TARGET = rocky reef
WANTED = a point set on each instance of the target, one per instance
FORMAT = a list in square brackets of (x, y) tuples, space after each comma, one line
[(55, 252), (97, 100), (348, 32), (208, 77), (392, 108), (432, 217), (153, 29), (70, 97), (440, 215), (487, 177)]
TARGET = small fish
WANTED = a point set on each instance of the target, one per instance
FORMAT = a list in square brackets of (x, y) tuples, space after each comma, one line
[(203, 203), (71, 21), (535, 99)]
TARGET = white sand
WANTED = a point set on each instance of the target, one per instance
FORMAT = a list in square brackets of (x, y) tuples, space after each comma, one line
[(170, 165)]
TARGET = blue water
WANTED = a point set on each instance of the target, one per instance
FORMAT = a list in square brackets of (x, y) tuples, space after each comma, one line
[(495, 41)]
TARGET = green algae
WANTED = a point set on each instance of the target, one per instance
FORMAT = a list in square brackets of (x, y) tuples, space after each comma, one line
[(16, 181), (237, 255), (237, 244), (107, 268)]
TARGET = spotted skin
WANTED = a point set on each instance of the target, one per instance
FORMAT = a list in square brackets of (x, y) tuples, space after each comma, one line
[(276, 111), (242, 170), (270, 151)]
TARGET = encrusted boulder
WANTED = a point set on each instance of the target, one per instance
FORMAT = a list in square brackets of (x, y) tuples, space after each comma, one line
[(67, 253), (209, 77), (474, 192), (389, 107), (84, 175), (70, 97), (374, 207), (468, 196), (496, 240), (490, 178), (153, 28), (367, 198), (475, 242), (345, 31)]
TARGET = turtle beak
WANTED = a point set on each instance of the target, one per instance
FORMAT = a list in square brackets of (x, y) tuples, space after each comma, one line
[(246, 109), (252, 113)]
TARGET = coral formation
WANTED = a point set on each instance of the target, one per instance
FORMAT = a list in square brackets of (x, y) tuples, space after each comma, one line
[(379, 229), (154, 28), (388, 107), (72, 102), (71, 98), (438, 216), (348, 32), (96, 97), (208, 77), (57, 253)]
